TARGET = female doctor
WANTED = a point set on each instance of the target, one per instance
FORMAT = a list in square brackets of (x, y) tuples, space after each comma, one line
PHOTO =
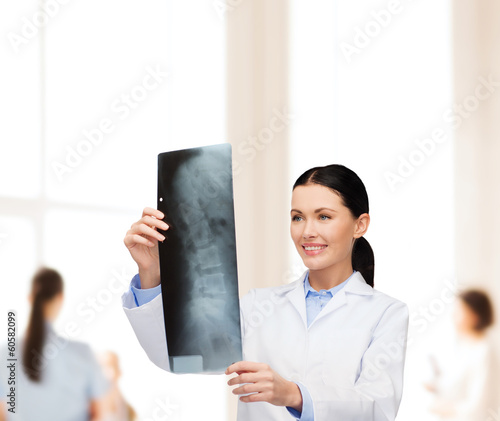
[(331, 346)]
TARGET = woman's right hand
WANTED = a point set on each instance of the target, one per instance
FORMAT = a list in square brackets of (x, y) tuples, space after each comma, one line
[(142, 243)]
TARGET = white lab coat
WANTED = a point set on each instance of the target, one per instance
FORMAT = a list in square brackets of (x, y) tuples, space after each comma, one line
[(465, 384), (351, 358)]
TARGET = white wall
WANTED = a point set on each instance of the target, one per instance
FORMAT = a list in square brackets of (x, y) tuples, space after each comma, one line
[(477, 197)]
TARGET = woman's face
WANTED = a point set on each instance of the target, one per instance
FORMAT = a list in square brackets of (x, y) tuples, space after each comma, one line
[(322, 228), (465, 318)]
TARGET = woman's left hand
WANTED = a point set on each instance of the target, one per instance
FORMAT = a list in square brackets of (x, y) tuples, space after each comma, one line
[(264, 385)]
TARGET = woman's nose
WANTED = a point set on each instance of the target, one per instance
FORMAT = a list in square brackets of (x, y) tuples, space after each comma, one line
[(309, 231), (306, 236)]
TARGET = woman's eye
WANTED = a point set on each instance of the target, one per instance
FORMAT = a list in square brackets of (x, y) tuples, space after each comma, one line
[(324, 217), (297, 218)]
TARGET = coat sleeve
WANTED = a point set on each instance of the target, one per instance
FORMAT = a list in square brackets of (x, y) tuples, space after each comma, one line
[(377, 392), (149, 328)]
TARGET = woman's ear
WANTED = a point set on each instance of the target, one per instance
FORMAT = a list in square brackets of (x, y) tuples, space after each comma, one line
[(362, 224)]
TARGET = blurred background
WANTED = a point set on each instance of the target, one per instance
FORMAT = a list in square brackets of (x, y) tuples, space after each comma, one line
[(405, 93)]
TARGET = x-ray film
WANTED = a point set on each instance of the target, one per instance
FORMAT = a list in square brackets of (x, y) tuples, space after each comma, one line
[(198, 259)]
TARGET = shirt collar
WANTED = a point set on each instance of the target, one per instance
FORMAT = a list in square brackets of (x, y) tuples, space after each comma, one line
[(308, 289)]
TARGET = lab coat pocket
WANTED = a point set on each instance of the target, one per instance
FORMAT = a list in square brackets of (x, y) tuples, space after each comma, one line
[(343, 355)]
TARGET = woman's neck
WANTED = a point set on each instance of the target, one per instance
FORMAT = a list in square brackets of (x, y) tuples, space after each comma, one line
[(329, 277), (472, 335)]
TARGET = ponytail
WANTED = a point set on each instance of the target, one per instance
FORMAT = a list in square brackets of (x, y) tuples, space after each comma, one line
[(46, 284), (363, 260)]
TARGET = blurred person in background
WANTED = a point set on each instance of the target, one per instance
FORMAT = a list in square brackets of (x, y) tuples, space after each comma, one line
[(114, 406), (463, 381), (57, 379)]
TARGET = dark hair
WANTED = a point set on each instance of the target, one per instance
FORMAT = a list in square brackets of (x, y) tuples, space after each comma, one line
[(346, 183), (480, 304), (46, 284)]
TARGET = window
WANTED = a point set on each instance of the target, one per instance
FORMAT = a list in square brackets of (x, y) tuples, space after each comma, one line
[(93, 95)]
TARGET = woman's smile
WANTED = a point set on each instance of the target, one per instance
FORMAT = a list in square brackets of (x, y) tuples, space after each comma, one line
[(312, 249)]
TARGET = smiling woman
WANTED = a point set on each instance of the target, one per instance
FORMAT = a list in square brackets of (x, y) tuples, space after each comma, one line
[(327, 345), (329, 218)]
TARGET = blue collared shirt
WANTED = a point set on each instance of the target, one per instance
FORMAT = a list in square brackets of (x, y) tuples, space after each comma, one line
[(70, 379), (315, 302)]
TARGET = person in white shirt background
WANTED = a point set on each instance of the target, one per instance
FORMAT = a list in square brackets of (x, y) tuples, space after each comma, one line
[(57, 379), (114, 405), (332, 346), (464, 371)]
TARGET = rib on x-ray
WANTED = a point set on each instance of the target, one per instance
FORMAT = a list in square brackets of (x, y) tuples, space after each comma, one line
[(198, 259)]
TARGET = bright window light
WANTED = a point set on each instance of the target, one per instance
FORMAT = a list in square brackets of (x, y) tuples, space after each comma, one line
[(94, 95), (369, 85)]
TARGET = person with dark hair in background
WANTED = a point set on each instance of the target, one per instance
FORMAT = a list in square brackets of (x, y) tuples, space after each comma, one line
[(57, 379), (333, 347), (463, 379)]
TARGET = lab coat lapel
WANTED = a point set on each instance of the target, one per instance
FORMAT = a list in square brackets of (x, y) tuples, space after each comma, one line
[(356, 285), (337, 301), (298, 299)]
